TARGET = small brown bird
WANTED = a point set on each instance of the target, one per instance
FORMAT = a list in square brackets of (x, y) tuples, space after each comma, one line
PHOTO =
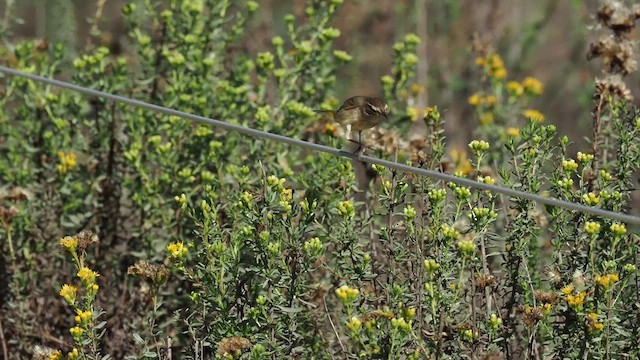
[(359, 113)]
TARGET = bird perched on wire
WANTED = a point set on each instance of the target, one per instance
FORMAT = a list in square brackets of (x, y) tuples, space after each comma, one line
[(359, 113)]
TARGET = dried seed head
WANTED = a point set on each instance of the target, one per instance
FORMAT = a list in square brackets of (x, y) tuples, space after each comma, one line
[(617, 54), (617, 16), (86, 238), (233, 345), (612, 86), (155, 274)]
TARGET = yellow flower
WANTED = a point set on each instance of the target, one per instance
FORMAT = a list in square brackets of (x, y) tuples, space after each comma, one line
[(495, 61), (491, 100), (76, 332), (591, 227), (346, 209), (68, 292), (354, 324), (416, 89), (56, 355), (568, 289), (67, 162), (533, 115), (413, 113), (73, 354), (177, 250), (83, 316), (485, 118), (618, 229), (514, 88), (475, 99), (330, 129), (592, 322), (607, 279), (576, 301), (480, 60), (513, 132), (69, 242), (87, 276), (346, 294), (569, 165), (590, 199), (532, 85), (500, 73), (286, 194)]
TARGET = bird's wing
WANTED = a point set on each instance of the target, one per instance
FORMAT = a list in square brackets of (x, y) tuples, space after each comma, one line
[(350, 103)]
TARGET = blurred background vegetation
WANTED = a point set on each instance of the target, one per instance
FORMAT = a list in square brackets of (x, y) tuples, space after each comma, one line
[(529, 35)]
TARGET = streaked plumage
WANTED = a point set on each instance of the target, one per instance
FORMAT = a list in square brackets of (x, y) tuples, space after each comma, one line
[(359, 113)]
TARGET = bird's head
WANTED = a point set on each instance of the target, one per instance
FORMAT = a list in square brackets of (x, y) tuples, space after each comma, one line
[(377, 106)]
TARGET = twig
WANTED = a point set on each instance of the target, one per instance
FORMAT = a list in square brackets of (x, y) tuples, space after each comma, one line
[(324, 301), (5, 352)]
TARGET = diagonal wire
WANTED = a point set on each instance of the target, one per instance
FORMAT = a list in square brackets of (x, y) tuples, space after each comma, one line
[(338, 152)]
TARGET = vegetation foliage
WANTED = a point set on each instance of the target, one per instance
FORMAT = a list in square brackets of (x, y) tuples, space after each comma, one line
[(192, 242)]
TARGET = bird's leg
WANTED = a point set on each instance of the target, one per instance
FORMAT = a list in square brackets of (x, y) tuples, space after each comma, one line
[(360, 150)]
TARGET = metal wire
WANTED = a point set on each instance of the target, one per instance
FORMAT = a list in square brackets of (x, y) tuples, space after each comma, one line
[(317, 147)]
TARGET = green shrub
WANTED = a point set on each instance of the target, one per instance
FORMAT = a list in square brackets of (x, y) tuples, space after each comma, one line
[(203, 243)]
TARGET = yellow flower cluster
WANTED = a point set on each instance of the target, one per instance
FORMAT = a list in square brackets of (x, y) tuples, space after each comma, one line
[(513, 132), (618, 229), (346, 294), (354, 324), (590, 199), (87, 276), (532, 85), (478, 99), (414, 113), (593, 324), (67, 162), (492, 65), (533, 115), (591, 227), (346, 209), (69, 242), (177, 250), (69, 292), (83, 317), (607, 280), (575, 301)]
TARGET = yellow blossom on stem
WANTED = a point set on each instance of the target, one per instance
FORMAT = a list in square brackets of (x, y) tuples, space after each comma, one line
[(514, 88), (354, 324), (56, 355), (532, 85), (513, 132), (67, 162), (73, 354), (87, 276), (485, 118), (83, 316), (346, 294), (69, 242), (69, 292), (576, 301), (413, 113), (475, 99), (533, 115), (177, 250), (499, 73), (607, 280), (590, 199), (491, 100), (76, 332)]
